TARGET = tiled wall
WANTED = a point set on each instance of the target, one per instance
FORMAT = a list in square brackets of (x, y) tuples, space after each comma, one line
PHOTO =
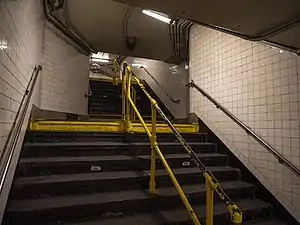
[(21, 42), (65, 75), (261, 86), (174, 83)]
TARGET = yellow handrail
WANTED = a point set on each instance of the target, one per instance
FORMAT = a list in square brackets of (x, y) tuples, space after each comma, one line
[(211, 182), (154, 147), (212, 185)]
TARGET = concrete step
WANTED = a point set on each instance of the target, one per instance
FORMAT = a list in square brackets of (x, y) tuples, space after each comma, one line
[(108, 148), (68, 184), (86, 164), (49, 137), (93, 206)]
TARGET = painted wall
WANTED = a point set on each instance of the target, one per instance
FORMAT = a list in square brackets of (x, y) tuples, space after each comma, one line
[(21, 44), (174, 83), (261, 86), (65, 74)]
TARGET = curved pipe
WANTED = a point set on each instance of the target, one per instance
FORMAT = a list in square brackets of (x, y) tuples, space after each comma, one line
[(259, 37), (59, 25), (127, 16)]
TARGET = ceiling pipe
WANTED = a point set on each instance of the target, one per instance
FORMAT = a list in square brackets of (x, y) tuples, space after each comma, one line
[(184, 29), (187, 41), (125, 22), (60, 26), (259, 37), (172, 39)]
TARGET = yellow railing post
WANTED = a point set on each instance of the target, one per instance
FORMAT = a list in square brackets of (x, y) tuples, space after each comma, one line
[(152, 137), (123, 96), (179, 190), (128, 80), (133, 97), (209, 203), (153, 151)]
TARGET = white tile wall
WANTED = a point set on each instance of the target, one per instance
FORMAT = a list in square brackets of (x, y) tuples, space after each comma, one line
[(261, 86), (21, 40), (173, 83), (65, 75)]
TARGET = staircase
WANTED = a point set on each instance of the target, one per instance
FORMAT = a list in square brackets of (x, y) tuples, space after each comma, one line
[(106, 100), (89, 178)]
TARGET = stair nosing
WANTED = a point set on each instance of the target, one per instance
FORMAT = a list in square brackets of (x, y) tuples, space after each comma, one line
[(70, 159), (117, 196), (66, 144), (105, 175)]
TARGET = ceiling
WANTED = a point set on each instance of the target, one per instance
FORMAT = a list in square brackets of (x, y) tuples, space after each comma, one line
[(102, 23)]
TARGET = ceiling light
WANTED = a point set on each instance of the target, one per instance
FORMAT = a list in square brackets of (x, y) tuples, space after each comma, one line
[(157, 16), (99, 60)]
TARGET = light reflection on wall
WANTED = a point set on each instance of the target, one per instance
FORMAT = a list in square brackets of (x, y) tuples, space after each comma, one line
[(3, 45)]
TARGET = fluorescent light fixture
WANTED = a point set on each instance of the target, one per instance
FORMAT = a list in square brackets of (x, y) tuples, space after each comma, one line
[(157, 16), (100, 57), (138, 65), (99, 60)]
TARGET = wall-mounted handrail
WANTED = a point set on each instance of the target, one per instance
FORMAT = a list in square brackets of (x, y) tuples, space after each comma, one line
[(12, 139), (177, 101), (249, 131)]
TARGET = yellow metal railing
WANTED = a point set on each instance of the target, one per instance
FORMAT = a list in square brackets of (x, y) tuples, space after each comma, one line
[(212, 185), (127, 102)]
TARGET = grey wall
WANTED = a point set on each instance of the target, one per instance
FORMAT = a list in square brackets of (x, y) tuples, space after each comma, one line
[(174, 83), (261, 86)]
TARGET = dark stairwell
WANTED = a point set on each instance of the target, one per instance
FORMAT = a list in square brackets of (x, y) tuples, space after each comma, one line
[(103, 178)]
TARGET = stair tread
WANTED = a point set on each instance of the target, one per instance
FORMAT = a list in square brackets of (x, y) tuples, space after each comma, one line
[(244, 204), (110, 175), (108, 158), (174, 215), (65, 144), (105, 197)]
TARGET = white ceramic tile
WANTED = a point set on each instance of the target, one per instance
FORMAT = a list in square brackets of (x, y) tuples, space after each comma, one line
[(65, 75), (272, 102)]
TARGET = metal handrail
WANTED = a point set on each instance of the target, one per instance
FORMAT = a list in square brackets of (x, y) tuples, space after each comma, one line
[(127, 101), (281, 159), (177, 101), (10, 144)]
